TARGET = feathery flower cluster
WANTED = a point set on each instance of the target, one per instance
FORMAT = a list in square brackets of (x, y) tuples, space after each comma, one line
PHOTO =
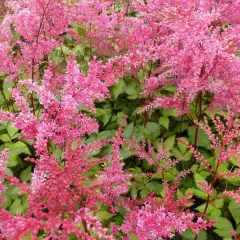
[(195, 46)]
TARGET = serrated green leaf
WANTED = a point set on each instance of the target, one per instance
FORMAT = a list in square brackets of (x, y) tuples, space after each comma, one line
[(218, 203), (223, 226), (16, 207), (182, 146), (152, 127), (190, 235), (141, 75), (104, 215), (128, 131), (223, 223), (169, 112), (133, 192), (202, 207), (106, 134), (15, 150), (187, 155), (8, 201), (13, 192), (216, 213), (144, 193), (106, 119), (199, 178), (5, 138), (235, 211), (13, 160), (20, 147), (57, 153), (176, 153), (164, 121), (202, 140), (169, 142), (156, 187), (26, 174), (118, 88), (200, 194), (131, 91), (222, 232), (11, 130)]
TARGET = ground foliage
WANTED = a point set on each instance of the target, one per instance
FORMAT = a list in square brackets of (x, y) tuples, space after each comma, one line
[(119, 119)]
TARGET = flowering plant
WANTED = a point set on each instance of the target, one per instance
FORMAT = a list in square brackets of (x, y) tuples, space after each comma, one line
[(119, 119)]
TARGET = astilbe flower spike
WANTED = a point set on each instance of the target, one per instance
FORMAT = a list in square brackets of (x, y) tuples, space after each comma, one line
[(195, 44), (163, 217)]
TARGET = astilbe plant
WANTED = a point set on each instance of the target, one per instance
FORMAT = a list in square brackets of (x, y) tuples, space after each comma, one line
[(224, 137), (196, 43), (57, 197), (60, 201), (165, 217), (193, 43)]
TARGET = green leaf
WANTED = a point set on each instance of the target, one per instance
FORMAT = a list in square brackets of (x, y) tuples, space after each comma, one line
[(16, 207), (182, 146), (128, 131), (124, 154), (133, 192), (6, 87), (141, 75), (190, 235), (223, 226), (216, 213), (20, 147), (169, 142), (80, 30), (104, 215), (200, 194), (152, 127), (13, 160), (13, 192), (151, 131), (7, 201), (170, 88), (223, 168), (5, 138), (66, 50), (164, 121), (106, 118), (118, 88), (176, 153), (155, 187), (120, 117), (218, 203), (235, 211), (11, 130), (169, 112), (106, 134), (57, 153), (136, 170), (133, 236), (26, 174), (15, 150), (223, 223), (201, 208), (187, 156), (131, 91), (202, 140), (199, 178), (144, 193)]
